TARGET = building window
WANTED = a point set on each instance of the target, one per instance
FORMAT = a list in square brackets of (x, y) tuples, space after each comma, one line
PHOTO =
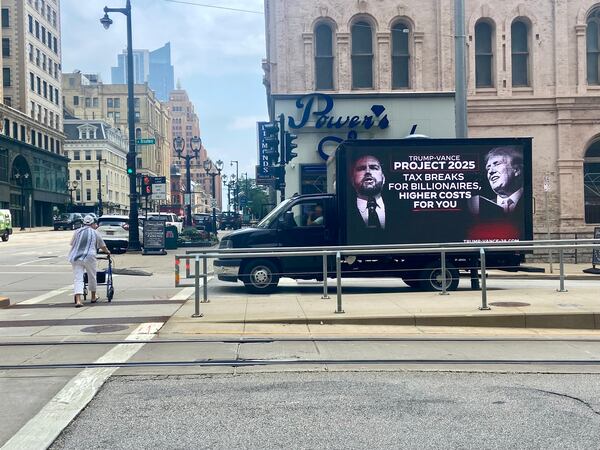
[(39, 85), (591, 183), (519, 35), (136, 102), (76, 100), (23, 133), (95, 102), (7, 127), (5, 47), (37, 29), (32, 81), (484, 57), (6, 76), (33, 137), (117, 102), (76, 156), (400, 56), (30, 24), (88, 155), (5, 18), (88, 102), (88, 194), (43, 35), (109, 102), (15, 130), (88, 175), (8, 101), (323, 57), (362, 55), (45, 142), (55, 45), (593, 47), (45, 89)]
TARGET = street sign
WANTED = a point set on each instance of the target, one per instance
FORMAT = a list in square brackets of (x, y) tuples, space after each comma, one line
[(547, 186), (243, 201), (159, 188), (263, 169), (146, 141), (187, 199), (213, 203)]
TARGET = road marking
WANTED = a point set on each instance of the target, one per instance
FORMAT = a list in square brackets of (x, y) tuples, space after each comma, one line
[(184, 294), (27, 262), (47, 295), (41, 431)]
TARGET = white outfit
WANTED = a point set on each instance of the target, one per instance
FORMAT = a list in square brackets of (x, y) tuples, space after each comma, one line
[(83, 257), (364, 211)]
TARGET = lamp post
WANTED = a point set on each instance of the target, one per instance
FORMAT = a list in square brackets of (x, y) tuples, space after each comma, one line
[(72, 186), (235, 192), (134, 234), (100, 211), (195, 145), (21, 180), (208, 166), (230, 183)]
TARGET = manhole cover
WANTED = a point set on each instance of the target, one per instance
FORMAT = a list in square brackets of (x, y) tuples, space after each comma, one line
[(510, 304), (104, 329)]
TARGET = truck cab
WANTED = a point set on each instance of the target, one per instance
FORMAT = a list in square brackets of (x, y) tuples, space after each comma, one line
[(300, 221)]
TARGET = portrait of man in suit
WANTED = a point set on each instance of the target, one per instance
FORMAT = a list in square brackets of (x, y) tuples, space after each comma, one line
[(504, 171), (367, 179)]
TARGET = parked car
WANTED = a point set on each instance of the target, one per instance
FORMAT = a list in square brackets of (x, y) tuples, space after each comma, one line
[(203, 221), (172, 219), (5, 224), (114, 230), (230, 219), (68, 221)]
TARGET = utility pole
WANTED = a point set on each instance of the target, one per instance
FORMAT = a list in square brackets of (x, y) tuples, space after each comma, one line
[(460, 42)]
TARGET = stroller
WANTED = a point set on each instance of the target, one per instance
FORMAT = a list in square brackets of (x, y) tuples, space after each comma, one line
[(102, 277)]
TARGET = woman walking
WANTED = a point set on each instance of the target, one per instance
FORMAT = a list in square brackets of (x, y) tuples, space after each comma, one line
[(83, 257)]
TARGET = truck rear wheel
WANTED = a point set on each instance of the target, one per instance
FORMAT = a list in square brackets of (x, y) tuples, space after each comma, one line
[(431, 277), (5, 237), (260, 277)]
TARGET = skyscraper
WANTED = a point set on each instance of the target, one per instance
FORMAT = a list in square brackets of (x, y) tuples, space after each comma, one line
[(152, 67)]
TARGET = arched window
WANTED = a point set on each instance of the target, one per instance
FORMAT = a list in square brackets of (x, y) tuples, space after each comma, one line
[(593, 47), (591, 183), (484, 57), (400, 56), (362, 55), (519, 35), (323, 57), (88, 175)]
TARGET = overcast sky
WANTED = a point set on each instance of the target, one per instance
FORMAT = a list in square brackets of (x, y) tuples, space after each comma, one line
[(216, 53)]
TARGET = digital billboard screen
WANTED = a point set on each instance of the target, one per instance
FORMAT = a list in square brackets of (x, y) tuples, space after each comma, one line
[(436, 190)]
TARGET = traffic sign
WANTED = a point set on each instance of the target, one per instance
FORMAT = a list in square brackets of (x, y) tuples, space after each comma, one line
[(147, 141), (159, 188), (243, 201), (213, 203)]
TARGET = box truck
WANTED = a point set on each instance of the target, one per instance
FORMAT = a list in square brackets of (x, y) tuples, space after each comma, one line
[(405, 191)]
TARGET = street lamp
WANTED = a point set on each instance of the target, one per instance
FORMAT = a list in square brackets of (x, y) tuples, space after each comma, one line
[(100, 211), (208, 166), (72, 186), (21, 180), (134, 234), (195, 145), (235, 192), (231, 184)]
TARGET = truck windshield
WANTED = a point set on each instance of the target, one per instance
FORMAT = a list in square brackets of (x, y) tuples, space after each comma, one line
[(270, 218)]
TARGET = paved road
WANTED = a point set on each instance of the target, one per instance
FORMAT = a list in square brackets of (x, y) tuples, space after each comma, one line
[(342, 410)]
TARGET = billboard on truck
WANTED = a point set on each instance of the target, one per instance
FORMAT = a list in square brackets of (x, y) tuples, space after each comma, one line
[(435, 190)]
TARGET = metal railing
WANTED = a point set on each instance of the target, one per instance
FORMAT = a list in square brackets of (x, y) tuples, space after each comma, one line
[(338, 252)]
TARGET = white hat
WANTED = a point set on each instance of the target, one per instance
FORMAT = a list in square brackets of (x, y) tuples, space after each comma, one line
[(88, 220)]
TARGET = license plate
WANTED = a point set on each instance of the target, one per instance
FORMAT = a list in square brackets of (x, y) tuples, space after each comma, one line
[(110, 233)]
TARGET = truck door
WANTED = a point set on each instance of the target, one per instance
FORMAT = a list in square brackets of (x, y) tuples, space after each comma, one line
[(308, 223)]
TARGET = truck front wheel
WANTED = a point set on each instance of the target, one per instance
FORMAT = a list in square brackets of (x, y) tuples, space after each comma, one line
[(431, 277), (5, 237), (260, 277)]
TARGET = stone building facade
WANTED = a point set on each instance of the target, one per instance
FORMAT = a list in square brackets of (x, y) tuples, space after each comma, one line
[(532, 70), (33, 170), (97, 167), (86, 97)]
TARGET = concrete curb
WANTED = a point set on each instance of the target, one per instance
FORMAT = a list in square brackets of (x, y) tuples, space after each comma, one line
[(4, 302), (541, 276), (583, 320)]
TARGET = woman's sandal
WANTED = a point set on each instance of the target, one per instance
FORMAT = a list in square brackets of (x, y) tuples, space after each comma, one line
[(78, 305)]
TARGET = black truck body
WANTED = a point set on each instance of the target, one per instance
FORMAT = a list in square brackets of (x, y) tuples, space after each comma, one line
[(421, 190)]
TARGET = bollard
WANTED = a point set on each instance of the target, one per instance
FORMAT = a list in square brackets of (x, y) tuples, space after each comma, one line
[(443, 259), (205, 280), (197, 288), (484, 306), (562, 271), (325, 293), (177, 262), (338, 274), (187, 267)]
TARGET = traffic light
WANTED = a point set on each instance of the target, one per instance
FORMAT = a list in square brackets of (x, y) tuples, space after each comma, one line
[(130, 163), (279, 175), (289, 146), (146, 186), (272, 141)]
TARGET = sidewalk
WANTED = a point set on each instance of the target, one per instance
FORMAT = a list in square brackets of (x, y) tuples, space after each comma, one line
[(16, 230), (299, 306)]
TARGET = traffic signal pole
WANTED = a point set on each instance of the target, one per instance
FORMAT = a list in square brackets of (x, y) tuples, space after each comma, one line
[(282, 155)]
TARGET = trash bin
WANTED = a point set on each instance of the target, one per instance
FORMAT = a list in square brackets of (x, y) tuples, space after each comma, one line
[(171, 236)]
